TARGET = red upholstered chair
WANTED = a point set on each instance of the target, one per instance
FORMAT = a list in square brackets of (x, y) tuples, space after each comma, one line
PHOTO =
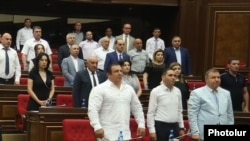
[(59, 80), (23, 81), (187, 137), (64, 100), (195, 84), (55, 67), (77, 130), (133, 129), (22, 102), (54, 58)]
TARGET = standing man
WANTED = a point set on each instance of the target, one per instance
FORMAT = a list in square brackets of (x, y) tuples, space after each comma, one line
[(64, 49), (24, 34), (117, 55), (108, 34), (28, 51), (111, 105), (179, 54), (85, 80), (154, 43), (165, 109), (236, 83), (78, 32), (11, 69), (138, 57), (88, 46), (209, 105), (71, 65), (126, 37), (102, 51)]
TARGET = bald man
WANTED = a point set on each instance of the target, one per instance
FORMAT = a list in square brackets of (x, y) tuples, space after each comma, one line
[(85, 80), (11, 69)]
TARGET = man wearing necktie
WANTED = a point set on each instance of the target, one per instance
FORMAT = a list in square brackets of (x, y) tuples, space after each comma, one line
[(209, 105), (11, 72)]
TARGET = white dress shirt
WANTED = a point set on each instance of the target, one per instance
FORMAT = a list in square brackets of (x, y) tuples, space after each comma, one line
[(88, 48), (23, 35), (150, 46), (14, 65), (101, 53), (165, 105), (178, 55), (75, 62), (29, 48), (110, 108), (91, 78)]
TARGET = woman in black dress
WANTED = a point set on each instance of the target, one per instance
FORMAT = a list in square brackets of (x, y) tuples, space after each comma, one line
[(40, 83), (153, 71), (180, 83)]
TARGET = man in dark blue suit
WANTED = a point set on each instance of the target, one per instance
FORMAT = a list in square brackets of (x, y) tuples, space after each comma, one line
[(117, 55), (179, 54), (64, 49), (85, 80)]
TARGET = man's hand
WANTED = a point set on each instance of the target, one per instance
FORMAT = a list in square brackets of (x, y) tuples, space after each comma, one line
[(99, 133)]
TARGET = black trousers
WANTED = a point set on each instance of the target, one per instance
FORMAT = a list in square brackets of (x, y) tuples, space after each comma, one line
[(163, 130), (7, 81)]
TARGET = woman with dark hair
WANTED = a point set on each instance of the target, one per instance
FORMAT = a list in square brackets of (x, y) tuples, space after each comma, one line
[(180, 83), (38, 49), (40, 83), (129, 78), (153, 72)]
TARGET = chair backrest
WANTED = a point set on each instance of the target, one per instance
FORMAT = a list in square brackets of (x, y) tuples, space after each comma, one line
[(23, 81), (133, 129), (65, 100), (59, 80), (195, 84), (54, 58), (77, 130), (22, 102), (55, 67)]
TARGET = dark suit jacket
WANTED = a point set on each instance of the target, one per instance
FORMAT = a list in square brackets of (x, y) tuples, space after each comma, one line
[(82, 86), (112, 58), (170, 57), (64, 53)]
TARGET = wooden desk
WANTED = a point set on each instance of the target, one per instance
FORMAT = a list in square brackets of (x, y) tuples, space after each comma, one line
[(8, 104), (46, 124)]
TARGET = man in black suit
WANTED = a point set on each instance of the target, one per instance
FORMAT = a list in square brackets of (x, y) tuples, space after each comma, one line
[(85, 80), (117, 55), (64, 49)]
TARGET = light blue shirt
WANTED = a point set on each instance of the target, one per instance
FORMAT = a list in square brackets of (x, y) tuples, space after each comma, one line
[(203, 110)]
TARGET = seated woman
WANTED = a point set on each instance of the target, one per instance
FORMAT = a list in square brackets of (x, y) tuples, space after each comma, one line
[(38, 49), (180, 83), (40, 83), (153, 72), (130, 78)]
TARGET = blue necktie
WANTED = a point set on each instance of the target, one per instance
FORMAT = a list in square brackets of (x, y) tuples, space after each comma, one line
[(216, 98), (120, 57), (7, 67)]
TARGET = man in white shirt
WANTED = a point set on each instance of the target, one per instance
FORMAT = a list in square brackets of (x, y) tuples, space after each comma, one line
[(110, 106), (28, 52), (165, 109), (154, 43), (102, 51), (11, 69), (24, 34)]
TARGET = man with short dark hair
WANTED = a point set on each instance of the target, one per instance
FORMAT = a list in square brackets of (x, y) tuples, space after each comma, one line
[(24, 34)]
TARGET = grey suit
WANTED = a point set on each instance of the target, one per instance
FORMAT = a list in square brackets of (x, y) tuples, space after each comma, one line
[(69, 70), (131, 41)]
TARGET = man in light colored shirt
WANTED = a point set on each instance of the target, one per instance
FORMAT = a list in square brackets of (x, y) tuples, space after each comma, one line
[(108, 33), (102, 51), (138, 57), (71, 65), (24, 34), (9, 74), (78, 32), (28, 51), (88, 46), (110, 106), (126, 37), (165, 109), (154, 43), (209, 105)]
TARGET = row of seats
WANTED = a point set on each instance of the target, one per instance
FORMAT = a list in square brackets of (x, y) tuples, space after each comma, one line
[(59, 80), (80, 129)]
